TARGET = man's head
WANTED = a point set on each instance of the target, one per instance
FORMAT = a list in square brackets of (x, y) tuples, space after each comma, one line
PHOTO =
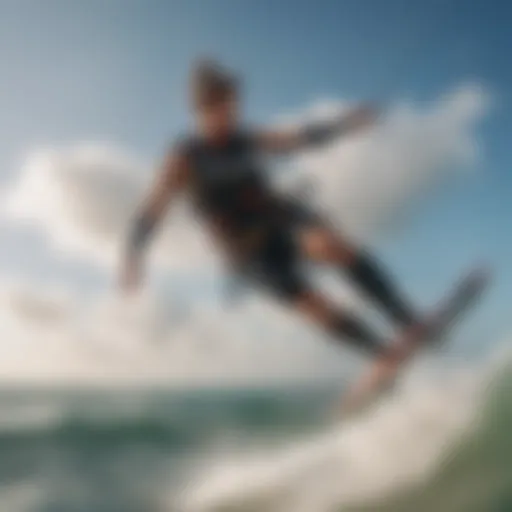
[(214, 95)]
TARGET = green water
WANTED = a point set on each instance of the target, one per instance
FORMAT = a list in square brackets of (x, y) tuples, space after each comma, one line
[(136, 451)]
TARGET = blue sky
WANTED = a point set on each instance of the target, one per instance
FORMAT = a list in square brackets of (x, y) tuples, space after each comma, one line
[(116, 71)]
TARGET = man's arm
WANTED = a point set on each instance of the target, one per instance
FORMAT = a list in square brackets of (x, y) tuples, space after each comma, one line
[(172, 178), (316, 134)]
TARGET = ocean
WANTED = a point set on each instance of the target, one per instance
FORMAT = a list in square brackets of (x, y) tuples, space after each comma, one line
[(440, 442)]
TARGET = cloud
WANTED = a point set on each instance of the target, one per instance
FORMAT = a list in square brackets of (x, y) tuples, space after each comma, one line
[(366, 182), (82, 197), (57, 336)]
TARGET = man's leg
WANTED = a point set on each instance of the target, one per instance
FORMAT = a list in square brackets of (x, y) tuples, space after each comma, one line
[(276, 270), (342, 326), (323, 245)]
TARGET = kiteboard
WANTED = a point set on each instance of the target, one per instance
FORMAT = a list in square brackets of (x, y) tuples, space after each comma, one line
[(433, 330)]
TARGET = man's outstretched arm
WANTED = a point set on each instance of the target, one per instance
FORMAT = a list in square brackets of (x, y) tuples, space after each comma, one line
[(172, 178), (315, 134)]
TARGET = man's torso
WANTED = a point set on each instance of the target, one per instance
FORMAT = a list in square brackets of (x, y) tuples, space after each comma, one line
[(229, 188)]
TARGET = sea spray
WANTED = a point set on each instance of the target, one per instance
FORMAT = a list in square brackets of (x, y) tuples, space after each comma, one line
[(394, 446)]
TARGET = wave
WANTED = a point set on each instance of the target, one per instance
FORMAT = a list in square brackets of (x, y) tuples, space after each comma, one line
[(439, 442), (176, 420), (420, 449)]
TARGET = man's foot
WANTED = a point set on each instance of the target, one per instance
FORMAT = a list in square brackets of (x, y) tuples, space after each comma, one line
[(409, 339), (432, 329), (384, 370)]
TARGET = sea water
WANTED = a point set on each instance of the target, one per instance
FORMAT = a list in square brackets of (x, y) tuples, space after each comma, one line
[(438, 443)]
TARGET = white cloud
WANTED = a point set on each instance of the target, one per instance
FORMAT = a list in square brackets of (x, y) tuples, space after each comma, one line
[(365, 182), (82, 197), (55, 336)]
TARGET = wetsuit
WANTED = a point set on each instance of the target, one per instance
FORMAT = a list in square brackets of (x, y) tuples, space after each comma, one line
[(230, 191)]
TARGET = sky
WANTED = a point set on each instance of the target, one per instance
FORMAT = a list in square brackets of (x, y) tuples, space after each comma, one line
[(92, 94)]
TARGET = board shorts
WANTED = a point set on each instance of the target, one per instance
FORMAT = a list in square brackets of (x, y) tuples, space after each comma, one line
[(276, 266)]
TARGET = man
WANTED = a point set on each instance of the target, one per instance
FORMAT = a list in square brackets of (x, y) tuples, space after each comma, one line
[(264, 235)]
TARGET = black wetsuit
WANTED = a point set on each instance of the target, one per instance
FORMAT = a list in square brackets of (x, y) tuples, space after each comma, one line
[(230, 190)]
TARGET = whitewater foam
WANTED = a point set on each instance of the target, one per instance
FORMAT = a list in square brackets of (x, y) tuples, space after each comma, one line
[(393, 446)]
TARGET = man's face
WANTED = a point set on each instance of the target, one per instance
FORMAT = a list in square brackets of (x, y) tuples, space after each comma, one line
[(219, 118)]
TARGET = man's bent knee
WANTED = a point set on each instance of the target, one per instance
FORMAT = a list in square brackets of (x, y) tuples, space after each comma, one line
[(322, 245), (315, 307)]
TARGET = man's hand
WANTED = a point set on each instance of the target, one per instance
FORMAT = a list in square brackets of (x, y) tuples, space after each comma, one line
[(172, 178), (130, 278), (279, 141), (361, 117)]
